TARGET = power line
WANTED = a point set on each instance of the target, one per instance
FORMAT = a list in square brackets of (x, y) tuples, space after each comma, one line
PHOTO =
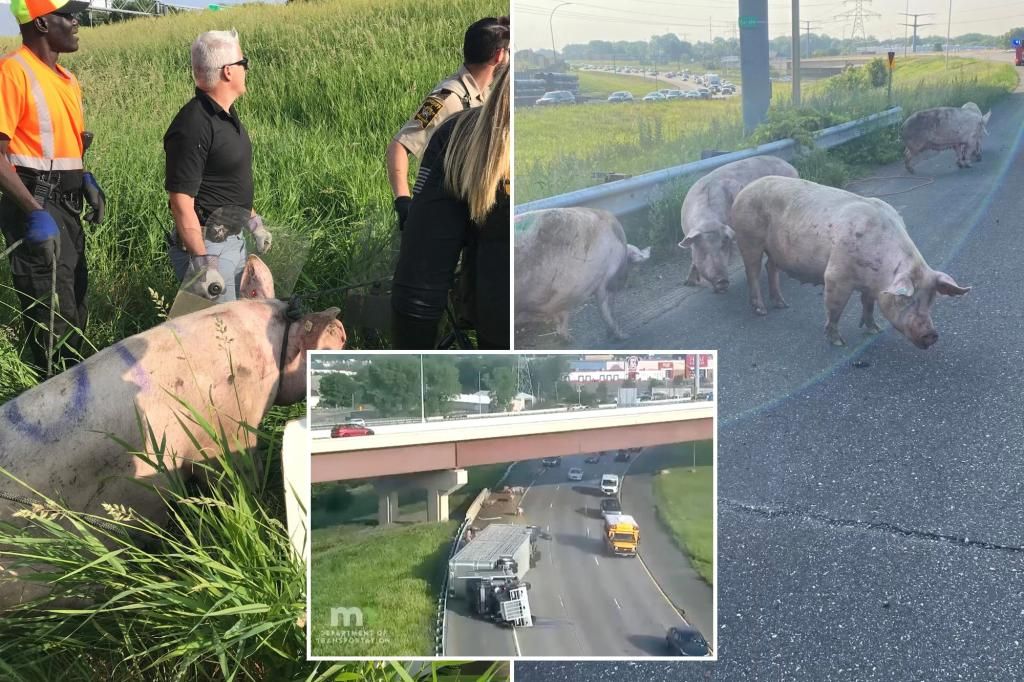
[(916, 26)]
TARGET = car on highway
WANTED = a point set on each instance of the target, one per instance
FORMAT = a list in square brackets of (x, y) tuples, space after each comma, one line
[(611, 505), (686, 641), (728, 90), (347, 430), (551, 461), (704, 93), (623, 456), (556, 97), (620, 96), (356, 421), (654, 97), (610, 484), (692, 94), (575, 474), (675, 94), (593, 459)]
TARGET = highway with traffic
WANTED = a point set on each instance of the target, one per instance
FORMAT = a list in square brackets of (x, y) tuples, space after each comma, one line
[(586, 601)]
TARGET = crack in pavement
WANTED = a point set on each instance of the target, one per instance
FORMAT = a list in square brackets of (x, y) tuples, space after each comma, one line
[(767, 512)]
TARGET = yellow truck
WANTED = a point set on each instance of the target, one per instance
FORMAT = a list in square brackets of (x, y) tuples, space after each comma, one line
[(621, 534)]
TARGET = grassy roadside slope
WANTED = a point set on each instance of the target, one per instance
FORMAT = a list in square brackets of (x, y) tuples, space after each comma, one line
[(559, 148), (684, 498)]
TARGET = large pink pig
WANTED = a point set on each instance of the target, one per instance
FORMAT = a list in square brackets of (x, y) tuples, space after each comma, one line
[(229, 363), (824, 235), (705, 216), (940, 128)]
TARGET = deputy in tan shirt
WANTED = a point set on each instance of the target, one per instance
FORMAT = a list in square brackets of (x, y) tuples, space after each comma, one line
[(484, 49)]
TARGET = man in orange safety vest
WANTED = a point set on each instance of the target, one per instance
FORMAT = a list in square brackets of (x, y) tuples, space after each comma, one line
[(43, 180)]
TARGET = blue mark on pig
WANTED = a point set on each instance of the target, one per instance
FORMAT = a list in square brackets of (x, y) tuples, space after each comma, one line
[(138, 374), (74, 412)]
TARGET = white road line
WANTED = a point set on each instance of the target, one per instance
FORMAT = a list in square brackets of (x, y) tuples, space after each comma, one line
[(561, 602), (515, 640), (596, 561), (588, 531), (551, 506), (617, 603)]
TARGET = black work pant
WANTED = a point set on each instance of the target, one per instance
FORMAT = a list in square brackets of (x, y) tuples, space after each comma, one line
[(32, 277)]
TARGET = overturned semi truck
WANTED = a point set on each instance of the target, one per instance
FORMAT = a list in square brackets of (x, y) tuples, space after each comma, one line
[(488, 572)]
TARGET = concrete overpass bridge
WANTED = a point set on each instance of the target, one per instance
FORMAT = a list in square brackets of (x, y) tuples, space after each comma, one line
[(434, 455)]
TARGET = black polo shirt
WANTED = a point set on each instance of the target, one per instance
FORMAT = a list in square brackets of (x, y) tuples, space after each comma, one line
[(209, 156)]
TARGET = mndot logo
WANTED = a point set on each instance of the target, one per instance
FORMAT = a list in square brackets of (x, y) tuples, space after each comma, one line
[(343, 616), (749, 22)]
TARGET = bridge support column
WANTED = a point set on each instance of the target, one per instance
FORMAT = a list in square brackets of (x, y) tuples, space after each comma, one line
[(441, 484), (387, 508)]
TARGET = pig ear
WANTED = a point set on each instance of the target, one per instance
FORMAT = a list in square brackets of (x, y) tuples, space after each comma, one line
[(257, 282), (729, 232), (901, 286), (322, 331), (687, 241), (985, 117), (947, 286)]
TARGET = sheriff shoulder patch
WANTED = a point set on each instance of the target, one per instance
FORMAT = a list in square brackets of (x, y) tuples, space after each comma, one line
[(428, 111)]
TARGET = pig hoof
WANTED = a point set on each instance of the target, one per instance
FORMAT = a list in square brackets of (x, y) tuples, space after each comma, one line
[(690, 282), (871, 328), (779, 303), (759, 309)]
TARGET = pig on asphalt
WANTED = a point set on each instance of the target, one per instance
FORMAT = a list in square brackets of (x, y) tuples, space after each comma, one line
[(705, 216), (566, 255), (941, 128), (823, 235), (976, 152), (230, 363)]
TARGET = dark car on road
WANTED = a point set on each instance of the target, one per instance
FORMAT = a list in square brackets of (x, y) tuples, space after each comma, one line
[(686, 641), (620, 96), (556, 97), (346, 430), (551, 461), (611, 505), (623, 456), (593, 459)]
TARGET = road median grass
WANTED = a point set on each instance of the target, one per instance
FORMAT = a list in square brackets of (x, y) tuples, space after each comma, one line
[(684, 499), (392, 575)]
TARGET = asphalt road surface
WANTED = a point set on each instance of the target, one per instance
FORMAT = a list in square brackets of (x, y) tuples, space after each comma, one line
[(584, 601), (871, 515)]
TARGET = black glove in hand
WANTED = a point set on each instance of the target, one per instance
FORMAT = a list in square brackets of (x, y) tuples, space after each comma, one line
[(402, 209), (95, 197)]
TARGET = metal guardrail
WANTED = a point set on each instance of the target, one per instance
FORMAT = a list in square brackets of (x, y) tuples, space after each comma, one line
[(623, 197), (441, 629)]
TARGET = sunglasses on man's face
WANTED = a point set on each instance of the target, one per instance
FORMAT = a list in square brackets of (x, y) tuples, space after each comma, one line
[(243, 62), (70, 16)]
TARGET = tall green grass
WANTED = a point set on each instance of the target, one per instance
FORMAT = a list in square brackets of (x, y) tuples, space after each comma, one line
[(559, 149), (331, 82)]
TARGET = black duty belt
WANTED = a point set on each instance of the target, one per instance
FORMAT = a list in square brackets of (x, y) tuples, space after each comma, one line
[(62, 181)]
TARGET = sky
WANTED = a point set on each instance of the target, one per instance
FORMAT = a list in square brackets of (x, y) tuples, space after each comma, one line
[(586, 20)]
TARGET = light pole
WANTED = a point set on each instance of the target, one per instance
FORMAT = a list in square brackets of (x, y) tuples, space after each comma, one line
[(479, 404), (423, 402), (949, 23), (551, 28)]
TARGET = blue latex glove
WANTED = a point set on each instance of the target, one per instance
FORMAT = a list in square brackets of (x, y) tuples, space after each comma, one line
[(43, 232), (95, 197), (41, 228)]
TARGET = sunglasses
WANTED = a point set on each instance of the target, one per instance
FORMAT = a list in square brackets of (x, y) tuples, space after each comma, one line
[(70, 16), (243, 62)]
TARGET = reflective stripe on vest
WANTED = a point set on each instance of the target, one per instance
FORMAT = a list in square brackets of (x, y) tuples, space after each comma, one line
[(48, 162)]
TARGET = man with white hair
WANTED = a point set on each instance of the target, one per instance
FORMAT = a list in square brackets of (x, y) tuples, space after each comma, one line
[(208, 174)]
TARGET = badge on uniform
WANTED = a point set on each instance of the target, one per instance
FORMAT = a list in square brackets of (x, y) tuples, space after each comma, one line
[(428, 111)]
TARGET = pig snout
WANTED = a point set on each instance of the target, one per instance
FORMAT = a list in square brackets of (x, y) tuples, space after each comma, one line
[(926, 340), (720, 285)]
